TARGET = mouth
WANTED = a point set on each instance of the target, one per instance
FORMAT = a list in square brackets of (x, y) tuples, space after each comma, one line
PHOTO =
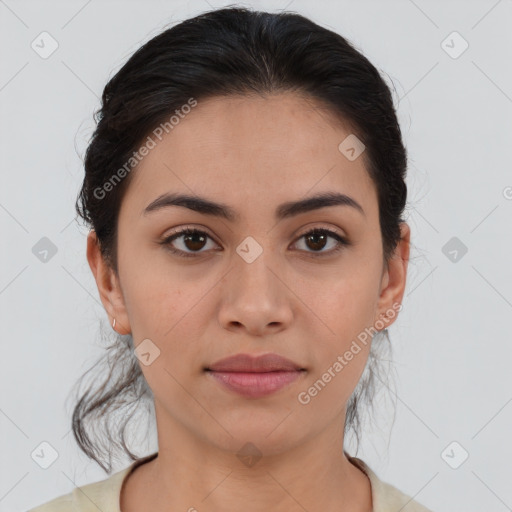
[(245, 363), (255, 377), (256, 384)]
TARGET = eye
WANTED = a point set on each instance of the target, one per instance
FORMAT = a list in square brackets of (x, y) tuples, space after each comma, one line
[(193, 239), (317, 239)]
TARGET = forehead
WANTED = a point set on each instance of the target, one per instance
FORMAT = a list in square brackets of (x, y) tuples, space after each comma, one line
[(244, 150)]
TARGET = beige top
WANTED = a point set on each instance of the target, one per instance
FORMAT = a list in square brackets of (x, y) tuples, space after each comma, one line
[(105, 495)]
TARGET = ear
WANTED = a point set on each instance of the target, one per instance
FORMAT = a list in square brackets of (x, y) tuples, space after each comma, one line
[(108, 285), (394, 280)]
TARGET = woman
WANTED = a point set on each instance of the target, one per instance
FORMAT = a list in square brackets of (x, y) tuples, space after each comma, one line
[(244, 186)]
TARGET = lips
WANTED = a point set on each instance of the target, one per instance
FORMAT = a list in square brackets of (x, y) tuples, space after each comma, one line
[(245, 363), (255, 377)]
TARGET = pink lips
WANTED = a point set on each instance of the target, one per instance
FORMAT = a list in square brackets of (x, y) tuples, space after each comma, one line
[(254, 377)]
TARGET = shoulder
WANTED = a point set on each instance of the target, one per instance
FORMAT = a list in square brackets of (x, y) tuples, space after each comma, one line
[(63, 503), (101, 495), (386, 497)]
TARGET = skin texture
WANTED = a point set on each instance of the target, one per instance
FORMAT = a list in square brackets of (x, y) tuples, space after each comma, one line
[(251, 153)]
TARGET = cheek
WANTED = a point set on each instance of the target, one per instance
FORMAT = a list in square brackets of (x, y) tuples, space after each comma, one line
[(341, 354), (172, 317), (349, 304), (347, 313), (164, 310), (156, 297), (173, 311)]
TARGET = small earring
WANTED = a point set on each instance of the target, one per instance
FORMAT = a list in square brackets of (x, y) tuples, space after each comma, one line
[(114, 324)]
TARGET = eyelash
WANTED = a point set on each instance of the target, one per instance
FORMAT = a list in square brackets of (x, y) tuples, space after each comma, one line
[(342, 242)]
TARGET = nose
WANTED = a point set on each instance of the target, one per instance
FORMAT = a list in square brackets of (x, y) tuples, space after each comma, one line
[(255, 298)]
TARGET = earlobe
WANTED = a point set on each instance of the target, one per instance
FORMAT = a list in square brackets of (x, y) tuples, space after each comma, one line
[(108, 285)]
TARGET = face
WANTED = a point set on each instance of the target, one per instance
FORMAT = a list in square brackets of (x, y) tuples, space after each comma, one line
[(257, 282)]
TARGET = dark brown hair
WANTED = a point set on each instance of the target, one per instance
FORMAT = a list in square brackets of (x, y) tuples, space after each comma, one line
[(223, 52)]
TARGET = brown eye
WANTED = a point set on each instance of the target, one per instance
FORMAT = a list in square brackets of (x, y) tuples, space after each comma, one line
[(192, 241), (318, 238), (316, 241)]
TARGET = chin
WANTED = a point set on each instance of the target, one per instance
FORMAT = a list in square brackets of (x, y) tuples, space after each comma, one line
[(263, 438)]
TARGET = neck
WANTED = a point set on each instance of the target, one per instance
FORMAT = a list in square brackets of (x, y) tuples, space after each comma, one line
[(193, 475)]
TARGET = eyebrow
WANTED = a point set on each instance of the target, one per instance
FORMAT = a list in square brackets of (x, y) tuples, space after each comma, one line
[(283, 211)]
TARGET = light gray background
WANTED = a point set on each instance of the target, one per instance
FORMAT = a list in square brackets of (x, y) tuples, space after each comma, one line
[(452, 344)]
